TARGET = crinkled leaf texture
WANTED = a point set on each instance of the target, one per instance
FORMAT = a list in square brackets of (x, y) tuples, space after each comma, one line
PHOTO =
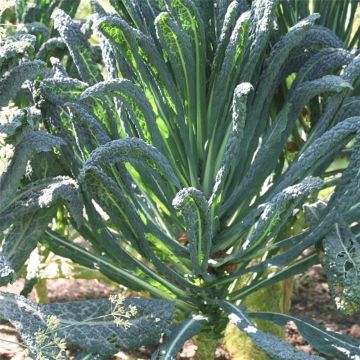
[(340, 250), (32, 143), (89, 356), (80, 323), (24, 315), (27, 215), (339, 255), (194, 207), (21, 239), (7, 273), (133, 144), (43, 194), (11, 82), (341, 262), (131, 149), (78, 47)]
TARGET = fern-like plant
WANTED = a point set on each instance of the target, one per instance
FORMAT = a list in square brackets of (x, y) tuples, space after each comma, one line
[(174, 164)]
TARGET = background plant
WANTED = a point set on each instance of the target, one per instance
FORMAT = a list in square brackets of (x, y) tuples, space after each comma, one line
[(25, 54), (343, 20), (339, 18), (176, 168)]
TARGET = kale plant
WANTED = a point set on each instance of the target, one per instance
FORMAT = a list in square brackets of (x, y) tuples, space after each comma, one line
[(175, 163), (30, 33)]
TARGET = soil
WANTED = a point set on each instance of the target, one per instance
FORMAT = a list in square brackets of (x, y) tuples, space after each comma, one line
[(311, 299)]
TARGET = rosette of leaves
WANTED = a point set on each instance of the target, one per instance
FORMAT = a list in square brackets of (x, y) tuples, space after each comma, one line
[(175, 168)]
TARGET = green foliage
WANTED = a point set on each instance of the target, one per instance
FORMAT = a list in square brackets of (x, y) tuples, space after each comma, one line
[(188, 167), (179, 334), (330, 343), (193, 206), (90, 324), (78, 46), (7, 274), (340, 18), (276, 348)]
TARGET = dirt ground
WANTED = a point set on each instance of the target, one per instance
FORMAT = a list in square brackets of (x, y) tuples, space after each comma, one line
[(311, 298)]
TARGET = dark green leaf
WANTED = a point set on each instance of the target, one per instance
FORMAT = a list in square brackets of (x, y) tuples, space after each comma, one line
[(78, 47), (198, 224), (272, 345), (327, 342), (179, 334), (12, 80)]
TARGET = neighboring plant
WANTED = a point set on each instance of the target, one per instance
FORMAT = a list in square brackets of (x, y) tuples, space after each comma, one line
[(31, 34), (338, 16), (27, 33), (112, 324), (343, 19), (177, 169)]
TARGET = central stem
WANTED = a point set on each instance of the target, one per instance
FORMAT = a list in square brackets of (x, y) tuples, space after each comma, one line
[(206, 346), (209, 338)]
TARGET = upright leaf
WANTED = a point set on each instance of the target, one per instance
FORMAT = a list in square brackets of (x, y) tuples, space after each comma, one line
[(134, 101), (261, 23), (273, 142), (234, 140), (78, 47), (198, 224)]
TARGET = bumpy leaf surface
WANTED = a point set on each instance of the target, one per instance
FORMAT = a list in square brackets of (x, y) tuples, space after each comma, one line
[(89, 324)]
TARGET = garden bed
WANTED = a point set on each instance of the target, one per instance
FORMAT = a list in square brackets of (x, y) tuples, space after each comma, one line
[(311, 298)]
